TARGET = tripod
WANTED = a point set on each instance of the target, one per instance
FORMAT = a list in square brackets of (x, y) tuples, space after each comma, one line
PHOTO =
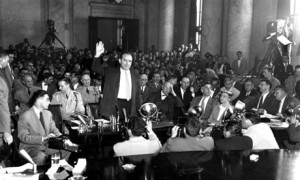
[(50, 38)]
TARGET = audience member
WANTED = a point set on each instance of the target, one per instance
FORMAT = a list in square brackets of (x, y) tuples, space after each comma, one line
[(239, 66), (266, 100), (185, 94), (286, 102), (46, 84), (70, 101), (145, 90), (283, 70), (268, 74), (228, 86), (89, 94), (292, 80)]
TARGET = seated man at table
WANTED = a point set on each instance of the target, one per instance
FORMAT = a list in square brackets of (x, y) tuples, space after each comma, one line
[(191, 142), (234, 139), (286, 102), (166, 100), (137, 144), (260, 133), (36, 126)]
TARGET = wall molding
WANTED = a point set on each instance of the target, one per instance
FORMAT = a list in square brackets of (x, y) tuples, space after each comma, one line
[(109, 10)]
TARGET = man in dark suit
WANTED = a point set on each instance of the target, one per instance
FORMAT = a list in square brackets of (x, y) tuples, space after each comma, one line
[(145, 90), (155, 85), (215, 87), (286, 102), (5, 131), (283, 70), (120, 87), (266, 100), (205, 101), (166, 100), (239, 65), (47, 84), (184, 93), (248, 94)]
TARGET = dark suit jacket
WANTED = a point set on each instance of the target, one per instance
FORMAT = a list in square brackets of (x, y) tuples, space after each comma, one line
[(289, 102), (294, 137), (243, 96), (51, 89), (166, 106), (270, 104), (234, 143), (111, 88), (145, 94), (243, 67), (187, 99), (282, 73), (153, 88), (5, 73), (208, 108)]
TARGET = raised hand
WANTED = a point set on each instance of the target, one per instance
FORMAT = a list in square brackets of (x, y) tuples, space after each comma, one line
[(99, 49)]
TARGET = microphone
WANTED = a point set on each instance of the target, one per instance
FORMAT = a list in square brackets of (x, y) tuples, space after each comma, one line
[(25, 155), (82, 120), (125, 116)]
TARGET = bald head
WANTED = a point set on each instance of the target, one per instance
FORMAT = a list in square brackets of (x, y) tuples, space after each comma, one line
[(166, 88)]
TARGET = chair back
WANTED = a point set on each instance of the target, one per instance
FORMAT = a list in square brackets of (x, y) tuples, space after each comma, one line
[(55, 109)]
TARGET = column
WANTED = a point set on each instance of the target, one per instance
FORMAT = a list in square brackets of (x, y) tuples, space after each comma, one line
[(239, 28), (166, 25), (211, 37), (296, 36)]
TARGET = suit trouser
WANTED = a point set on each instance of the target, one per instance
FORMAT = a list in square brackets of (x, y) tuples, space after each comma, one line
[(124, 104)]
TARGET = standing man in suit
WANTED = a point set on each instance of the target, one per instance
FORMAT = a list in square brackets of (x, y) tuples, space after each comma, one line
[(283, 70), (5, 131), (47, 84), (36, 126), (120, 87), (166, 100), (206, 102), (239, 65), (7, 74), (185, 94), (286, 102), (266, 100), (145, 90)]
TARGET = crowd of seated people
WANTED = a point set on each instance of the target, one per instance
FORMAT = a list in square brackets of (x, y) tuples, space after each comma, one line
[(175, 81)]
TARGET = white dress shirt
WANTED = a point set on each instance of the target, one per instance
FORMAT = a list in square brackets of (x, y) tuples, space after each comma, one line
[(44, 86), (281, 104), (163, 96), (125, 85), (221, 112), (205, 99)]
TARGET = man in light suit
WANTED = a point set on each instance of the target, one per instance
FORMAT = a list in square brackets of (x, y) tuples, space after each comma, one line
[(120, 87), (239, 65), (36, 126), (206, 101), (5, 131)]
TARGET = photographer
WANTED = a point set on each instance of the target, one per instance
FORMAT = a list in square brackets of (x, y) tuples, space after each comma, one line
[(137, 144), (191, 142)]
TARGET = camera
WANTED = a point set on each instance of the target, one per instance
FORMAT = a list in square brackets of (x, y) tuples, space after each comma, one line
[(181, 123)]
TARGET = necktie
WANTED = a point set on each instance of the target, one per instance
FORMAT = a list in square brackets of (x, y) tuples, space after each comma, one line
[(260, 102), (87, 90), (202, 104), (128, 88), (142, 89), (42, 120), (28, 91)]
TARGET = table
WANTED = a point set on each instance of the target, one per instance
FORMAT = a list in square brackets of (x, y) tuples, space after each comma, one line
[(93, 141), (209, 165)]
